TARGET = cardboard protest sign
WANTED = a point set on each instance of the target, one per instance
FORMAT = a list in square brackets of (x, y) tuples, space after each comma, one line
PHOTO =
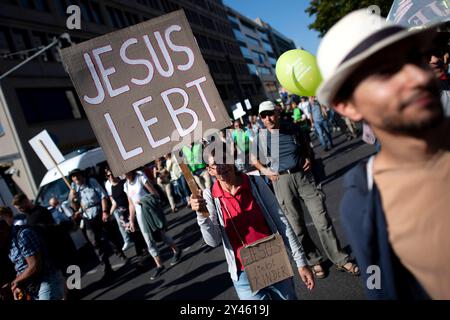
[(410, 14), (238, 112), (248, 105), (46, 150), (145, 89), (266, 262)]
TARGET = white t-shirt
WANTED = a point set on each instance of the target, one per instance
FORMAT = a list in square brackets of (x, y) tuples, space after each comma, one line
[(108, 187), (173, 168), (305, 107), (136, 189)]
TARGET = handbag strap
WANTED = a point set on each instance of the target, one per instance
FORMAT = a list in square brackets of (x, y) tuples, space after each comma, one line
[(231, 220)]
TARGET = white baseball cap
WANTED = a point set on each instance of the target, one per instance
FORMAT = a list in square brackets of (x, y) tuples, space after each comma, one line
[(266, 106), (352, 40)]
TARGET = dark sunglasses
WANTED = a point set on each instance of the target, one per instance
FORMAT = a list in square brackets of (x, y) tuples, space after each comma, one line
[(265, 114)]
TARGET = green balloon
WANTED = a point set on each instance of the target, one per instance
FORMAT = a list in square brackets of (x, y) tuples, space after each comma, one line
[(298, 73)]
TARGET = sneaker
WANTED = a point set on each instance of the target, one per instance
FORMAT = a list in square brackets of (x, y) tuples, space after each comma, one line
[(126, 246), (156, 272), (176, 258)]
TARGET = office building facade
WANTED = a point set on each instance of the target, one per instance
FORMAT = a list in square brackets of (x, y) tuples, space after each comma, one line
[(257, 50)]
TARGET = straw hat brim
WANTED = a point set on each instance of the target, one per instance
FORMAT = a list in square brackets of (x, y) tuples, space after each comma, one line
[(330, 87)]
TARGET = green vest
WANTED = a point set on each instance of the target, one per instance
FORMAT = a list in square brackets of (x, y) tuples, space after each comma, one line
[(194, 157), (297, 116), (242, 139)]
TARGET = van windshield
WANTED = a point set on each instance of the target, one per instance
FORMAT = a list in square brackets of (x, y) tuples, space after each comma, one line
[(57, 189)]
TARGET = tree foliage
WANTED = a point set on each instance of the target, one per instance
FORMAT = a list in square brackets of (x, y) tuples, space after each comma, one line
[(328, 12)]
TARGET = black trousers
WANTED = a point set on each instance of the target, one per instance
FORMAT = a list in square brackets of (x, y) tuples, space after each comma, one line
[(97, 236)]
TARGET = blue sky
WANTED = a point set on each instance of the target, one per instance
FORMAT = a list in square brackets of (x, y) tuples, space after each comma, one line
[(287, 16)]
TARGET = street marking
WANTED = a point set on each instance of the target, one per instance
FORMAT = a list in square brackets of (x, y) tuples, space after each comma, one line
[(114, 266), (91, 272)]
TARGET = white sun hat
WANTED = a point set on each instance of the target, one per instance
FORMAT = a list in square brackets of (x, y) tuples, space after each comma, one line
[(266, 106), (352, 40)]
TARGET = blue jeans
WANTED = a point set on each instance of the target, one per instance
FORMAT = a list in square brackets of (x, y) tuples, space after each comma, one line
[(52, 287), (283, 290), (324, 133), (125, 235), (181, 189)]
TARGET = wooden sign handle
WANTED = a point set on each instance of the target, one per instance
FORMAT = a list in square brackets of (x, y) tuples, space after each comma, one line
[(56, 165), (190, 180)]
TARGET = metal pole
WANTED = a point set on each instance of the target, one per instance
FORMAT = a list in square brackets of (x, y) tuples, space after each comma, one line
[(54, 42)]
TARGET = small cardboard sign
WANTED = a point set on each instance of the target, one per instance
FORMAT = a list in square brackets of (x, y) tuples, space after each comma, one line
[(238, 112), (248, 105), (146, 89), (266, 262), (46, 149)]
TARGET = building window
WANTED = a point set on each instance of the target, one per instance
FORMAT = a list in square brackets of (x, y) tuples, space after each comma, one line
[(233, 19), (253, 41), (263, 36), (224, 67), (222, 91), (129, 18), (202, 41), (154, 4), (169, 6), (216, 44), (273, 61), (21, 40), (246, 53), (121, 17), (5, 42), (239, 36), (251, 68), (213, 67), (113, 17), (39, 40), (192, 17), (267, 47), (259, 57), (86, 14), (97, 13), (264, 71), (208, 23), (135, 18), (232, 90), (48, 104), (61, 5), (247, 28)]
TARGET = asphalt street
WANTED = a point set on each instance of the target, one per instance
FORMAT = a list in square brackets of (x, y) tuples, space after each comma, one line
[(202, 272)]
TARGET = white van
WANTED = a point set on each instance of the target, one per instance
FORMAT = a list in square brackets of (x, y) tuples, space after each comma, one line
[(53, 185)]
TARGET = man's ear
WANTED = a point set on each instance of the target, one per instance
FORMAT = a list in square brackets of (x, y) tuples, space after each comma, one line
[(348, 109)]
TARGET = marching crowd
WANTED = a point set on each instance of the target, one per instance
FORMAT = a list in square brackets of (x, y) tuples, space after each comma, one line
[(394, 210)]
